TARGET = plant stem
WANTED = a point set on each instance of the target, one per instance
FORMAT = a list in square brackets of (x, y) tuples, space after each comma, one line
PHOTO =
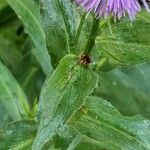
[(92, 37)]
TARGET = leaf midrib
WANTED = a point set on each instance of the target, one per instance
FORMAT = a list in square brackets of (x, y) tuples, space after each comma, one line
[(116, 129), (21, 145)]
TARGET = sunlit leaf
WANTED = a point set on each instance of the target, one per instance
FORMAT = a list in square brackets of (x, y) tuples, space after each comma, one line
[(63, 94)]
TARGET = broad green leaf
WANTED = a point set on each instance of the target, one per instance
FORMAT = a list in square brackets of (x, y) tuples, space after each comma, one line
[(128, 43), (127, 89), (29, 13), (63, 94), (60, 22), (102, 124), (18, 135), (12, 97)]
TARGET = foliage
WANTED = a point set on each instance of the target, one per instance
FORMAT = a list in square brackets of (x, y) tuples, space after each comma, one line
[(55, 96)]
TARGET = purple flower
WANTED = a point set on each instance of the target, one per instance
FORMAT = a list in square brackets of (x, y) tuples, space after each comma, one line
[(118, 8)]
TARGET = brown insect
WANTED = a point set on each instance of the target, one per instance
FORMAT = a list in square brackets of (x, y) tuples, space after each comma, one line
[(85, 59), (84, 109)]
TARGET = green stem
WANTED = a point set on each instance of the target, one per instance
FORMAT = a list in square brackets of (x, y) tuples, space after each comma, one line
[(92, 37)]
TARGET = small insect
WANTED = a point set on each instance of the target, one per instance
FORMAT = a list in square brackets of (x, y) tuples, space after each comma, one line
[(84, 109), (85, 59)]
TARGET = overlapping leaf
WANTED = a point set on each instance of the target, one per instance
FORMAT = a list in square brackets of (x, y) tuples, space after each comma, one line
[(60, 22), (103, 125), (127, 43), (62, 95)]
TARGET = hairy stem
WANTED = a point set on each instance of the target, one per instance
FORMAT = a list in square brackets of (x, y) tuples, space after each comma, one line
[(92, 36)]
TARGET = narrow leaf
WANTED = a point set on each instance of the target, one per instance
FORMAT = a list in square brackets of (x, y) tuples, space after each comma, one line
[(29, 13), (11, 95)]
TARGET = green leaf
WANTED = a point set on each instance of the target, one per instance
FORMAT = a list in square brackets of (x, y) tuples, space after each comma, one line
[(4, 116), (103, 125), (6, 15), (29, 13), (12, 97), (63, 94), (18, 135), (68, 138), (60, 22), (128, 43), (127, 89)]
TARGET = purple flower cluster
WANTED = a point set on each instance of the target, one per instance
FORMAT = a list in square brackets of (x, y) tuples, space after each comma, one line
[(118, 8)]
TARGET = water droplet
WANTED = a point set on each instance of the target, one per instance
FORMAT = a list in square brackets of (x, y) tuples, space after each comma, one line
[(114, 83)]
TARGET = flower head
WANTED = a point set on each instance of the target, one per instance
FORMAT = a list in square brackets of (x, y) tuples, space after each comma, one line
[(118, 8)]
